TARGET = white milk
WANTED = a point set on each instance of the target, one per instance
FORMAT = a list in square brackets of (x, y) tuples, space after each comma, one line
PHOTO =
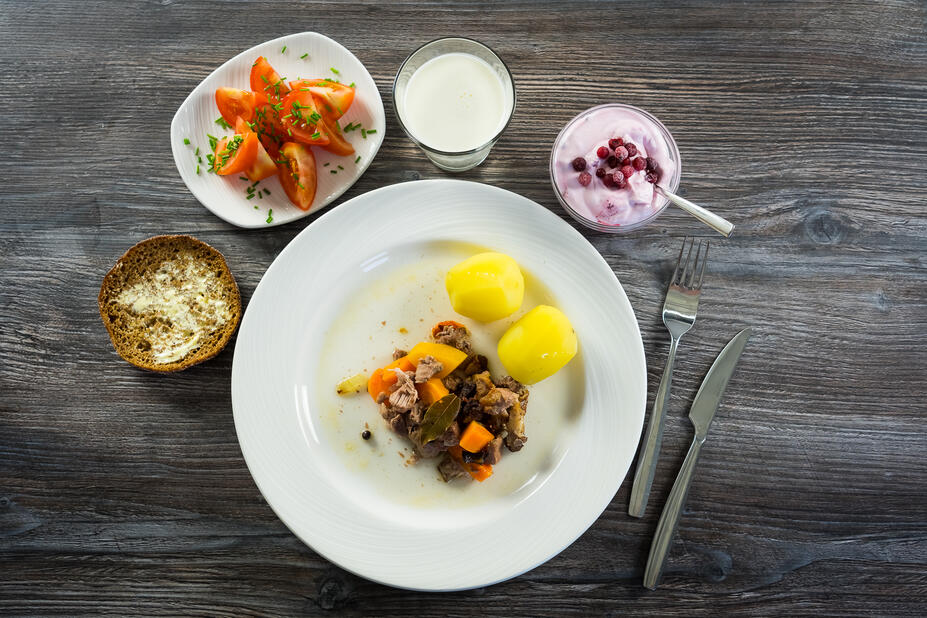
[(455, 102)]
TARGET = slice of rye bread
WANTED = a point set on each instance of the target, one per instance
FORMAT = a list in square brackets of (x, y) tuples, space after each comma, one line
[(131, 332)]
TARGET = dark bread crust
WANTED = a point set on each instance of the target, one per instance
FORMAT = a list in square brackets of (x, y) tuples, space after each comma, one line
[(141, 261)]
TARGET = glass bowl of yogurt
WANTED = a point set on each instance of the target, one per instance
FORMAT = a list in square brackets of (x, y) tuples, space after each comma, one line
[(608, 142), (454, 97)]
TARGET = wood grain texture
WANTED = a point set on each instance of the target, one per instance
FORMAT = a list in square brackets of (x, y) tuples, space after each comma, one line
[(124, 492)]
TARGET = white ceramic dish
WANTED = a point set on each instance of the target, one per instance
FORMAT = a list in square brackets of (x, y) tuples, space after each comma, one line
[(225, 196), (301, 450)]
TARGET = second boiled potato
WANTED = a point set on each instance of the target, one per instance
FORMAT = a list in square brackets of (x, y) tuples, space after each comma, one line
[(486, 287)]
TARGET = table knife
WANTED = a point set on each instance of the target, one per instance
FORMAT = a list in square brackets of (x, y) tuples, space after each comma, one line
[(701, 413)]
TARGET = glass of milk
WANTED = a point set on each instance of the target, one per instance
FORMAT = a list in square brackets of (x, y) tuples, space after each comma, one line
[(454, 97)]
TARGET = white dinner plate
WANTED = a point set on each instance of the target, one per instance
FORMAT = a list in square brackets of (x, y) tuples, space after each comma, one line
[(368, 276), (226, 196)]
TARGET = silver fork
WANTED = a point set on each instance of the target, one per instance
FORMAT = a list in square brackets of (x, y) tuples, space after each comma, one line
[(679, 311)]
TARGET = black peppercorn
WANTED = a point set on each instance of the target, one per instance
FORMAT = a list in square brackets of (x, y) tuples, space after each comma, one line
[(366, 434)]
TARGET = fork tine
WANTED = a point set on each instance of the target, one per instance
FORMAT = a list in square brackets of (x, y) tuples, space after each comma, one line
[(678, 260), (685, 268), (704, 263), (695, 265)]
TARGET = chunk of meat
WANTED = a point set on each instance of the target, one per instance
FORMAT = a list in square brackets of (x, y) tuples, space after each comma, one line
[(451, 437), (498, 401), (473, 364), (492, 453), (450, 334), (450, 469), (397, 354), (398, 424), (403, 393), (483, 383), (427, 368), (512, 384), (452, 382), (432, 449), (515, 427), (417, 413)]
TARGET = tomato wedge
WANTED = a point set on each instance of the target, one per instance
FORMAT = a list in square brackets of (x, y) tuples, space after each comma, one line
[(337, 144), (297, 174), (302, 120), (235, 154), (234, 103), (263, 166), (266, 80), (269, 128), (335, 98)]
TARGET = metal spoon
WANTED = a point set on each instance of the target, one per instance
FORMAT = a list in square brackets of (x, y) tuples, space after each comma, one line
[(719, 224)]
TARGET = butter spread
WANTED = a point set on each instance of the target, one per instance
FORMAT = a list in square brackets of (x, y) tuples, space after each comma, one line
[(182, 301)]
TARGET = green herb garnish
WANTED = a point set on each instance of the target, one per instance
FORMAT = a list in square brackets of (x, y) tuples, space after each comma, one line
[(222, 123), (270, 216), (186, 141)]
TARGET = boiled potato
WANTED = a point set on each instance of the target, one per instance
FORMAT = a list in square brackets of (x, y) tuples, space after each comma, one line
[(538, 345), (486, 287)]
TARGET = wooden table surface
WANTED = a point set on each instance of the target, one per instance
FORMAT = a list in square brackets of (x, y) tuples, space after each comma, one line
[(804, 123)]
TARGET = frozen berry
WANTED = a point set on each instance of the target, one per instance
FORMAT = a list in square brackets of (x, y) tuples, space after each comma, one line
[(615, 142), (612, 161), (625, 162), (579, 164), (652, 177), (621, 152), (632, 149), (600, 172), (651, 163), (585, 178), (602, 152), (609, 180), (639, 163), (619, 180), (628, 171)]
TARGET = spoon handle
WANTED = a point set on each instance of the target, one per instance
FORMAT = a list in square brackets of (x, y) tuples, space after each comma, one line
[(719, 224)]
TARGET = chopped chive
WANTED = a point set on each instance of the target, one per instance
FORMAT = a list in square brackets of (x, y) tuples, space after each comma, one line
[(341, 168), (197, 169), (333, 172), (270, 215), (326, 164), (243, 178), (316, 135), (364, 133), (260, 195), (265, 79), (255, 206), (222, 123), (283, 51), (250, 196), (335, 71), (197, 152), (357, 159), (304, 55), (353, 85), (186, 141), (371, 131), (213, 140), (266, 191)]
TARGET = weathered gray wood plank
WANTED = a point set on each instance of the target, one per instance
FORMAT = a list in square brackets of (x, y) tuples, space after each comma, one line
[(123, 492)]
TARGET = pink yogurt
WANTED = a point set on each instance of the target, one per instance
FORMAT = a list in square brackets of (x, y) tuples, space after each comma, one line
[(600, 206)]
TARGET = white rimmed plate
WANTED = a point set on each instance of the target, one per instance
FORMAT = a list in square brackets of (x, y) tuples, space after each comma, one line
[(316, 309), (226, 196)]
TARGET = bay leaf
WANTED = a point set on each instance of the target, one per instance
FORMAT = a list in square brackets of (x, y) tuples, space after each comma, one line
[(439, 417)]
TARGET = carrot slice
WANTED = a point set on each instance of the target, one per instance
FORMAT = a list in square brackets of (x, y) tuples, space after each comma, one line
[(475, 437)]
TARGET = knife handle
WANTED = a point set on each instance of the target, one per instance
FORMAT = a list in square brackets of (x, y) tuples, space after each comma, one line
[(650, 449), (669, 519)]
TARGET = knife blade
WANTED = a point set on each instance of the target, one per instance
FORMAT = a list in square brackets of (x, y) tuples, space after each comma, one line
[(701, 414), (710, 392)]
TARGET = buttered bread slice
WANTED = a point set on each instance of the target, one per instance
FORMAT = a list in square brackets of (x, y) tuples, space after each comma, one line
[(170, 302)]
